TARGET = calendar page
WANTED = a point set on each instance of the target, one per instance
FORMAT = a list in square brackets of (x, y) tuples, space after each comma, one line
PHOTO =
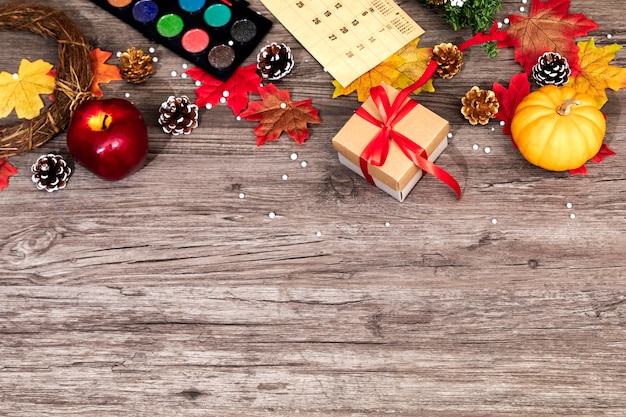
[(347, 37)]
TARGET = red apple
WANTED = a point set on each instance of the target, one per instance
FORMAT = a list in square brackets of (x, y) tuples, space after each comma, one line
[(108, 137)]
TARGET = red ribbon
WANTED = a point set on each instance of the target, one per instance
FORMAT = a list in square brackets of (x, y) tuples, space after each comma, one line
[(377, 150)]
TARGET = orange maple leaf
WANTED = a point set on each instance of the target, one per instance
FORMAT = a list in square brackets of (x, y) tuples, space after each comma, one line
[(278, 114), (102, 72), (596, 75), (386, 71), (549, 27)]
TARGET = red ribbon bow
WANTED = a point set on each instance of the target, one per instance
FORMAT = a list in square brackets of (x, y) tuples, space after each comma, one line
[(377, 150)]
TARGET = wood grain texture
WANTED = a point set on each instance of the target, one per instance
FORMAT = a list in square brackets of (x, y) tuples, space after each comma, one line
[(168, 294)]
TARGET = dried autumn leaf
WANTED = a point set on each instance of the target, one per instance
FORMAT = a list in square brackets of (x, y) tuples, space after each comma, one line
[(234, 90), (549, 27), (519, 87), (416, 61), (102, 72), (386, 71), (596, 75), (21, 91), (6, 170), (604, 152), (277, 114)]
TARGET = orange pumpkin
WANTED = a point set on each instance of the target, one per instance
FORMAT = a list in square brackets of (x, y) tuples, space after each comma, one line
[(557, 128)]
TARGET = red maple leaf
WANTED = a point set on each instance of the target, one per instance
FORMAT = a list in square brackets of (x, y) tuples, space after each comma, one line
[(519, 87), (6, 170), (234, 90), (278, 114), (102, 72), (549, 27)]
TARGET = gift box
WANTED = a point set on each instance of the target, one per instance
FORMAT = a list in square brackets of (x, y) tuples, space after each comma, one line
[(398, 173)]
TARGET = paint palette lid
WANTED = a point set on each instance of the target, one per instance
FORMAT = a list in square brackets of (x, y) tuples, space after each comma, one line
[(215, 35)]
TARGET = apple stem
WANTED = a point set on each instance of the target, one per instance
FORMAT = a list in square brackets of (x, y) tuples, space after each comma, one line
[(104, 122)]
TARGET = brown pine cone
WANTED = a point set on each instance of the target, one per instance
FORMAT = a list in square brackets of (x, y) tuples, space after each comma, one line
[(479, 106), (50, 172), (436, 2), (274, 61), (135, 65), (449, 59), (178, 115)]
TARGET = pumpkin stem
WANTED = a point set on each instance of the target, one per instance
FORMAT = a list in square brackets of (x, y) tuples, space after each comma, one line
[(566, 107)]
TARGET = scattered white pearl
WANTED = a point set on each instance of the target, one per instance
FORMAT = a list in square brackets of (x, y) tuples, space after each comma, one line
[(450, 135), (283, 105), (126, 95), (238, 118), (15, 76), (569, 205), (487, 149), (493, 129), (521, 9), (325, 70), (572, 216), (155, 59), (231, 43), (271, 215), (494, 221), (285, 177), (506, 21), (209, 106), (223, 100), (183, 75), (502, 123), (242, 195), (387, 224), (303, 164), (524, 1), (475, 146), (609, 36), (151, 50), (500, 25), (118, 54), (198, 83), (226, 93), (318, 234), (174, 74), (185, 66), (293, 156)]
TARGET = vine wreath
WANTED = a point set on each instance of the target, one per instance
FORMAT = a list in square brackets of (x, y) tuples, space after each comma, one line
[(73, 75)]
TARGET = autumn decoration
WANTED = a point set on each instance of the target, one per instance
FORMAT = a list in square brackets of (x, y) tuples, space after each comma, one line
[(557, 128)]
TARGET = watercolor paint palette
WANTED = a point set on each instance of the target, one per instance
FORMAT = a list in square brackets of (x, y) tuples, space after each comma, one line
[(215, 35)]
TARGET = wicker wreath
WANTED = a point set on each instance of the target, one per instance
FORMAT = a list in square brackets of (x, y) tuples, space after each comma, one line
[(73, 76)]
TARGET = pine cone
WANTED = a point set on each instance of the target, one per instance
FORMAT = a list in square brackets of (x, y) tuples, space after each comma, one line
[(551, 68), (479, 106), (274, 61), (178, 115), (135, 65), (449, 59), (436, 2), (50, 172)]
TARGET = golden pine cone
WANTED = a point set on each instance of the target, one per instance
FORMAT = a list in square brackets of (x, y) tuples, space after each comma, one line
[(436, 2), (479, 106), (449, 59), (135, 65)]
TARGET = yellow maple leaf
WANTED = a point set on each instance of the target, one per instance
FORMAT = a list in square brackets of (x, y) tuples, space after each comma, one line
[(596, 75), (21, 91), (416, 62), (386, 71)]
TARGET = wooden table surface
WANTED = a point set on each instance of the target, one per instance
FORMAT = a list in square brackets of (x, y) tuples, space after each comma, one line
[(175, 293)]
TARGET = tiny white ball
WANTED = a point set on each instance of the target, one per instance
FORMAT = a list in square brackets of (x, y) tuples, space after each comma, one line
[(173, 73), (318, 234), (223, 100), (494, 221), (283, 105), (242, 195), (155, 59), (238, 118), (271, 215), (126, 95), (198, 83), (487, 149), (303, 164), (15, 76), (499, 25), (151, 50), (118, 54), (183, 75), (231, 43), (185, 66), (572, 216), (209, 106), (502, 123), (609, 36), (521, 9), (506, 21), (226, 93), (285, 177), (475, 146), (293, 156), (387, 224), (450, 135), (569, 205)]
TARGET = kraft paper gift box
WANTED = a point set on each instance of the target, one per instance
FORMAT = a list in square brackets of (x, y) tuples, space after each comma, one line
[(398, 175)]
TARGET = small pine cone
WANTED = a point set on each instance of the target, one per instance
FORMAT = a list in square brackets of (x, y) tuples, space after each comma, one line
[(479, 106), (551, 68), (135, 65), (274, 61), (50, 172), (449, 59), (178, 115), (436, 2)]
